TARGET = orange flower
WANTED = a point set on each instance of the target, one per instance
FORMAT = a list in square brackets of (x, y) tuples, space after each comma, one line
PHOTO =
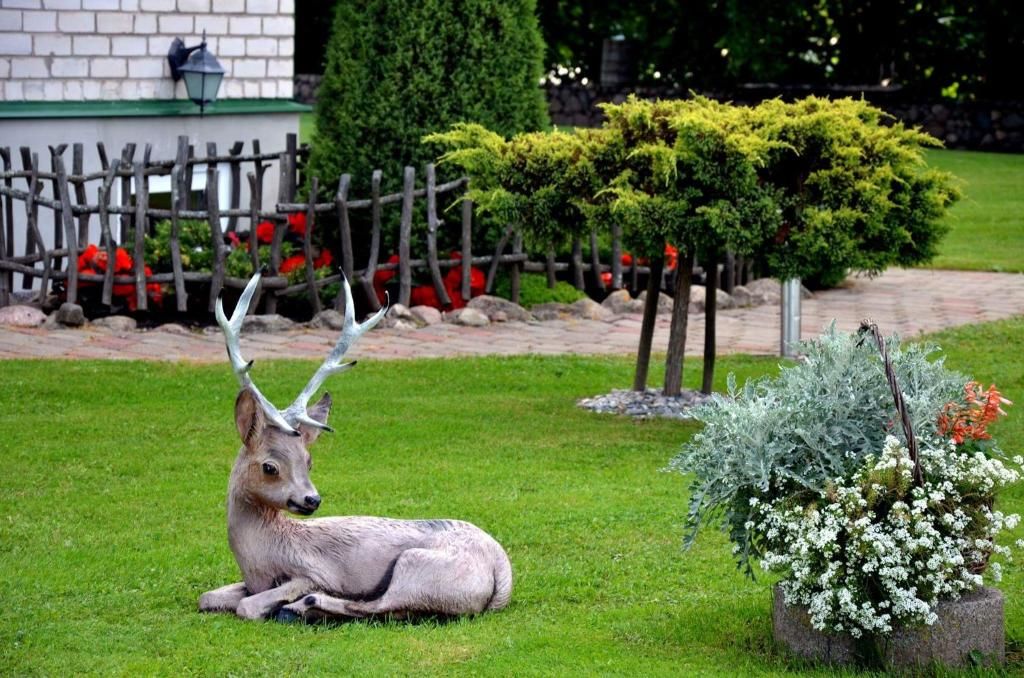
[(983, 407)]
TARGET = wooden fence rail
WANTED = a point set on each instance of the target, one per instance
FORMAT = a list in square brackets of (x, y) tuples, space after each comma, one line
[(70, 214)]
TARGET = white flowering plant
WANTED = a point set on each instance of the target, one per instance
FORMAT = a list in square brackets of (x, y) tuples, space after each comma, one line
[(867, 539)]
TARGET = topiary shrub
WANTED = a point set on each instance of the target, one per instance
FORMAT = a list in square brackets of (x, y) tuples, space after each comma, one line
[(400, 69)]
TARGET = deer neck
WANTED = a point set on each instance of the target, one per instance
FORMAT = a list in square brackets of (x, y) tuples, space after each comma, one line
[(260, 536)]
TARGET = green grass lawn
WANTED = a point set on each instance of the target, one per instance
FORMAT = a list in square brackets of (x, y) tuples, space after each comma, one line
[(987, 225), (112, 519)]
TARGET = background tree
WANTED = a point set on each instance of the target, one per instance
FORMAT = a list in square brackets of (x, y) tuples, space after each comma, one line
[(399, 69)]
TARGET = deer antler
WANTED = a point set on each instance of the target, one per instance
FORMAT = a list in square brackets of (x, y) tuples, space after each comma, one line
[(350, 332), (291, 418), (232, 334)]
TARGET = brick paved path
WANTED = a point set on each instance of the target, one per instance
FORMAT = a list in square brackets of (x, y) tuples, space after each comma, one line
[(905, 301)]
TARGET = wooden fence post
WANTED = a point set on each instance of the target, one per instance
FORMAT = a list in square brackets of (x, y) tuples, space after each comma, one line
[(217, 235), (127, 157), (236, 185), (32, 216), (432, 224), (64, 194), (404, 237), (141, 205), (78, 169), (307, 247), (467, 249), (371, 266), (103, 204)]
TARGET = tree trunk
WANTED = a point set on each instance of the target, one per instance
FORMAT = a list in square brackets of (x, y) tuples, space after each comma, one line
[(677, 332), (643, 353), (710, 312)]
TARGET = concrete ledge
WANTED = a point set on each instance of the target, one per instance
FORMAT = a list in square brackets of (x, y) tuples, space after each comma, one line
[(968, 629)]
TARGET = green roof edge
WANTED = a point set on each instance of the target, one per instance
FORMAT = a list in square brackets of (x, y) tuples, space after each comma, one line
[(142, 109)]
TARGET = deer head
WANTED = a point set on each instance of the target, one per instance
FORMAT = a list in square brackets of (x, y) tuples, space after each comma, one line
[(276, 458)]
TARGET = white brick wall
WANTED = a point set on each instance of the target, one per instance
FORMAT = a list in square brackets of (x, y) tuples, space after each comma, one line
[(75, 50)]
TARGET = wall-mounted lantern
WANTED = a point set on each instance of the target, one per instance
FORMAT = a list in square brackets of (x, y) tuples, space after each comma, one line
[(200, 68)]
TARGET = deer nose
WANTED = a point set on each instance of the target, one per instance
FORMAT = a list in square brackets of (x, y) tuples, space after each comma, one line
[(313, 501)]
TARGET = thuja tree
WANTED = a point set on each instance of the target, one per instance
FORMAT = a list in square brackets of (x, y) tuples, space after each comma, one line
[(542, 182), (689, 177), (856, 193), (398, 69)]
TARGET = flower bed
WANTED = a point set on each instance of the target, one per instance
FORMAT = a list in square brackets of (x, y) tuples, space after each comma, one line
[(870, 530)]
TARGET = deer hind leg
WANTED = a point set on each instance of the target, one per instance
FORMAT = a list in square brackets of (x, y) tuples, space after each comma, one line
[(224, 599), (434, 581), (266, 603)]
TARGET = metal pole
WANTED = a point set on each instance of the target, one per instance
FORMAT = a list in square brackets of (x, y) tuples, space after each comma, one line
[(790, 317)]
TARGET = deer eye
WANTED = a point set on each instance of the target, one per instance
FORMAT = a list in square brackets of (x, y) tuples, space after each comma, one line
[(269, 469)]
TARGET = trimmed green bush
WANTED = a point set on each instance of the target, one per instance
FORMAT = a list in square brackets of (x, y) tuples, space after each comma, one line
[(534, 290), (398, 70)]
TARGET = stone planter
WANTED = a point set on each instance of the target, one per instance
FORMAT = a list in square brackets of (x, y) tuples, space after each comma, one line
[(968, 630)]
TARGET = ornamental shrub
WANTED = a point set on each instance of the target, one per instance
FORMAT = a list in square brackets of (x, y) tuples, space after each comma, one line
[(808, 472), (855, 191), (815, 422), (397, 70)]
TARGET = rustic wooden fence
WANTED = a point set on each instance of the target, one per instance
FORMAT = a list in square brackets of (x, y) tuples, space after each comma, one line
[(71, 214)]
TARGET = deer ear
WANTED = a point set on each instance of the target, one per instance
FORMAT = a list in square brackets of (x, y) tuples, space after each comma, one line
[(318, 412), (249, 417)]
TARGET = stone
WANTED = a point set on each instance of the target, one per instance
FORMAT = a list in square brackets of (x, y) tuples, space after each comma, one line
[(489, 306), (400, 312), (426, 315), (172, 328), (645, 404), (742, 297), (968, 629), (271, 322), (620, 302), (551, 310), (70, 315), (469, 317), (405, 325), (664, 302), (589, 309), (51, 322), (120, 324), (328, 319), (698, 299), (500, 317), (21, 316)]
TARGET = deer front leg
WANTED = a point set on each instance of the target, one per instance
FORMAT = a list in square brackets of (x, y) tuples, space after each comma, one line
[(224, 599), (262, 605), (316, 607)]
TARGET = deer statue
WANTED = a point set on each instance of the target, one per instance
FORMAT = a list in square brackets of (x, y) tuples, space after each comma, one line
[(334, 567)]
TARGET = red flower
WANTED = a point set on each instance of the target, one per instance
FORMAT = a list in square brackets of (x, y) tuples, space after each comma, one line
[(291, 263), (265, 232), (324, 259), (233, 239), (671, 257), (122, 261), (297, 223), (424, 295), (606, 278), (453, 284), (380, 278), (86, 257), (627, 259)]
